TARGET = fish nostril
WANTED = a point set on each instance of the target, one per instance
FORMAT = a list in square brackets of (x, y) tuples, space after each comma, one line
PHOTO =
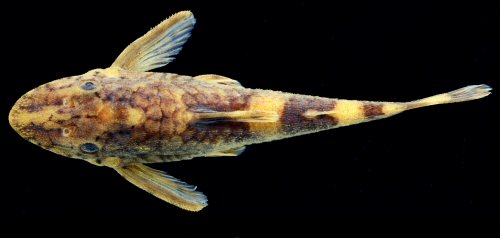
[(66, 132)]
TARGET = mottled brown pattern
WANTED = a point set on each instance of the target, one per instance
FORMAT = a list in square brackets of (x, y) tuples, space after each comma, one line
[(32, 108), (156, 114), (294, 121), (139, 100), (166, 102), (232, 101), (33, 102), (371, 110), (222, 131)]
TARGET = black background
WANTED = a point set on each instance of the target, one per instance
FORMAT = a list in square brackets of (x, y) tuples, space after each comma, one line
[(432, 171)]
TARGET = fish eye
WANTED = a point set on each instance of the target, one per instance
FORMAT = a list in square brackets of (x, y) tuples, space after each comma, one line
[(88, 86), (89, 148)]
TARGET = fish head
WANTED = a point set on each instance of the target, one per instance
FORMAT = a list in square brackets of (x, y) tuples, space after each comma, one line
[(65, 116)]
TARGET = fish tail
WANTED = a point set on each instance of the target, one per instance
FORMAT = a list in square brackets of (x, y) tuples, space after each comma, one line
[(468, 93), (294, 114), (349, 112)]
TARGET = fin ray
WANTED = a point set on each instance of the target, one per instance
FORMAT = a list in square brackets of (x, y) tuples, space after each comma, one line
[(471, 92), (164, 186), (158, 47), (213, 78), (231, 152)]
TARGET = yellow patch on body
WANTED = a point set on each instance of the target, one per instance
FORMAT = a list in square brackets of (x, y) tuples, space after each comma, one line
[(390, 108), (263, 104), (36, 118), (349, 112), (314, 113), (135, 116), (111, 72), (106, 114)]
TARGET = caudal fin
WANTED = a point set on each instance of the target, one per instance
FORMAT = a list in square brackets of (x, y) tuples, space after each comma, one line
[(468, 93)]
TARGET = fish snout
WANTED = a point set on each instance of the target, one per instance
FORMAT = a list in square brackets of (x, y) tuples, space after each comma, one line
[(19, 115), (13, 114), (30, 118)]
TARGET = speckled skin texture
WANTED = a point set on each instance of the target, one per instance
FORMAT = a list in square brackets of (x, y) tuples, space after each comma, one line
[(152, 117)]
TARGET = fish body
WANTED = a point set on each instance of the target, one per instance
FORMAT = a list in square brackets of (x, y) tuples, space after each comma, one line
[(124, 117)]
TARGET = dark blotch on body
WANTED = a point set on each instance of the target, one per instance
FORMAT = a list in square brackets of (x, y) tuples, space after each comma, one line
[(371, 110), (220, 103), (216, 132), (32, 108), (293, 119)]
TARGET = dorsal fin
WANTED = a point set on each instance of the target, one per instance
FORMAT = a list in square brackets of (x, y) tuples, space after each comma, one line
[(158, 47)]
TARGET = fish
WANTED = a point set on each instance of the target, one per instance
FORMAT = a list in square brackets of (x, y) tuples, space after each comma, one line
[(126, 117)]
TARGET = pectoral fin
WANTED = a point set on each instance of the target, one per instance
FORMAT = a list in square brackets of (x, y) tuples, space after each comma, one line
[(159, 46), (164, 186), (231, 152), (213, 78), (208, 116)]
